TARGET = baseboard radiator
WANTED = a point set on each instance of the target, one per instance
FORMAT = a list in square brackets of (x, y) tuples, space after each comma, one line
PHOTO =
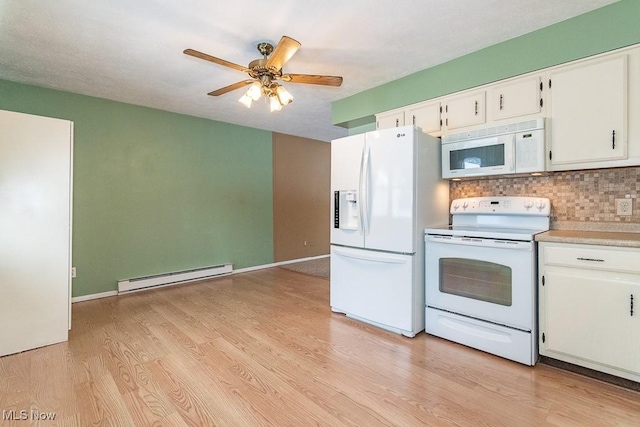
[(175, 278)]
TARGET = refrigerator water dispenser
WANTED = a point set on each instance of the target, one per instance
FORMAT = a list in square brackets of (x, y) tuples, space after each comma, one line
[(346, 209)]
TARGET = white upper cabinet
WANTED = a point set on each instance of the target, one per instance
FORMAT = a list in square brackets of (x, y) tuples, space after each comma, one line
[(591, 108), (589, 113), (516, 98), (426, 115), (390, 119), (465, 110)]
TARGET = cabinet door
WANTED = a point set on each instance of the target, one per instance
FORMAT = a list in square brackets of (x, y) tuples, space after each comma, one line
[(426, 116), (466, 110), (392, 119), (587, 315), (589, 113), (519, 97)]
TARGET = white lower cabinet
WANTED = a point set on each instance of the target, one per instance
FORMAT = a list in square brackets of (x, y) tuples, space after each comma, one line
[(588, 306)]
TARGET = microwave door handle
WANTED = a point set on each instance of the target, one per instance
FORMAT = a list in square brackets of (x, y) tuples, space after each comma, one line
[(512, 156)]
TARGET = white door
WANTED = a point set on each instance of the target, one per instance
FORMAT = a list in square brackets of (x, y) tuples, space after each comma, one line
[(376, 287), (389, 194), (347, 158), (35, 224)]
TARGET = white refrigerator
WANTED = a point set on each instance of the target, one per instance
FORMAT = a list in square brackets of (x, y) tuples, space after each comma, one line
[(386, 188)]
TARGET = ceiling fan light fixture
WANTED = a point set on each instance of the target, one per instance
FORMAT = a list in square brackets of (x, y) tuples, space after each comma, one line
[(284, 97), (246, 100), (265, 71), (255, 91), (274, 103)]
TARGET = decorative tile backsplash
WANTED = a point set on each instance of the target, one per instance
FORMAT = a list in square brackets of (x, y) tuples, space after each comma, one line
[(587, 195)]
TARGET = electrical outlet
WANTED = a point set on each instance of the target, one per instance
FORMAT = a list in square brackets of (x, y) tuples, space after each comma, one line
[(624, 207), (73, 272)]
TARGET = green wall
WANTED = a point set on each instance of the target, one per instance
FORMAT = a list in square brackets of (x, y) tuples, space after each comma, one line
[(157, 192), (603, 29)]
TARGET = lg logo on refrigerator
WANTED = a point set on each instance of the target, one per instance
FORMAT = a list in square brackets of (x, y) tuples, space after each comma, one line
[(400, 135)]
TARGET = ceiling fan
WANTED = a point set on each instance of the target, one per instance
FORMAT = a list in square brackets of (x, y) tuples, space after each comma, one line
[(265, 72)]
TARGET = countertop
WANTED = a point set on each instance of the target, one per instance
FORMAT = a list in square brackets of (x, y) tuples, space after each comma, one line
[(587, 237)]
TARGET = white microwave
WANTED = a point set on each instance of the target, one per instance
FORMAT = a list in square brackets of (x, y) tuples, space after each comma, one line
[(516, 148)]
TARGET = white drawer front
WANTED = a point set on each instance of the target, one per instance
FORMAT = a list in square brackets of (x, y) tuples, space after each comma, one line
[(592, 257)]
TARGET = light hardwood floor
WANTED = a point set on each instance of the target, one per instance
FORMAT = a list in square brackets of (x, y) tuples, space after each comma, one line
[(263, 348)]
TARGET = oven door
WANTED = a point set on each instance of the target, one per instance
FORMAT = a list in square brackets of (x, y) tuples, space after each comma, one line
[(483, 278), (486, 156)]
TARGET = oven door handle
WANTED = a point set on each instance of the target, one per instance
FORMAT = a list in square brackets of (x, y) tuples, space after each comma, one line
[(477, 241)]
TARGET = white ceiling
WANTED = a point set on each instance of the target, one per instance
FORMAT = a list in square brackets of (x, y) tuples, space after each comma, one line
[(131, 50)]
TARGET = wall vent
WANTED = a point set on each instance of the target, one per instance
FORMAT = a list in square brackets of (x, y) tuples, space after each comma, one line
[(494, 131)]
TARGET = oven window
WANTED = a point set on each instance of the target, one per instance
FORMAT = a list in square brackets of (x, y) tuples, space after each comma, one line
[(479, 280), (479, 157)]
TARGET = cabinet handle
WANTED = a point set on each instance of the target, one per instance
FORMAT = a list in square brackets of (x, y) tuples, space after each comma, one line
[(476, 108), (501, 103), (631, 304), (414, 119), (613, 140), (590, 259), (397, 122)]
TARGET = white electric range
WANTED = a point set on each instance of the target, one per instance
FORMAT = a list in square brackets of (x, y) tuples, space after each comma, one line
[(480, 275)]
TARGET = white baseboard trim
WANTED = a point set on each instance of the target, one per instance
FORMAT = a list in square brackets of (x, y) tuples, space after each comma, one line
[(240, 270), (277, 264), (94, 296)]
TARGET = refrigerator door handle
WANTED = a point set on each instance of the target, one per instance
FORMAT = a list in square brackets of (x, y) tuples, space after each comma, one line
[(360, 194), (364, 196), (371, 256)]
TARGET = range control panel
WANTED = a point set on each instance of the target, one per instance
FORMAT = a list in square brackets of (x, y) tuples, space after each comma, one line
[(502, 205)]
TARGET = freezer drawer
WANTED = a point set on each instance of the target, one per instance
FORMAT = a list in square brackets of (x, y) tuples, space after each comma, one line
[(378, 288)]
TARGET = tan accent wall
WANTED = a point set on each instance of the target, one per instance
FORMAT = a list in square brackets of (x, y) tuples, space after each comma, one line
[(301, 197)]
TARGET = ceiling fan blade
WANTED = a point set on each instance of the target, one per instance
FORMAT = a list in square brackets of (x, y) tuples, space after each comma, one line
[(313, 79), (215, 60), (229, 88), (282, 53)]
